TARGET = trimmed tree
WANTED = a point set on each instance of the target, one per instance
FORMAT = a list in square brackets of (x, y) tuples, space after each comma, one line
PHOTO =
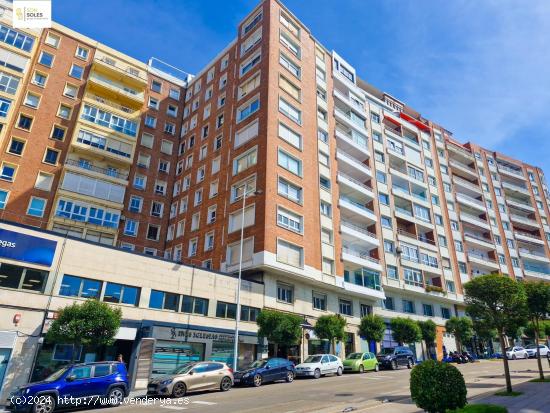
[(405, 330), (498, 302), (91, 323), (372, 328), (462, 328), (538, 306), (428, 332), (281, 329), (330, 327)]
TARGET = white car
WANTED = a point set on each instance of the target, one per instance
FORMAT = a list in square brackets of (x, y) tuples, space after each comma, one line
[(532, 350), (318, 365), (516, 352)]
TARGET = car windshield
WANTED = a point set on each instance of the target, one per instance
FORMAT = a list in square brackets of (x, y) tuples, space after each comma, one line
[(355, 356), (510, 349), (385, 351), (56, 375), (183, 369), (313, 359), (531, 346), (258, 363)]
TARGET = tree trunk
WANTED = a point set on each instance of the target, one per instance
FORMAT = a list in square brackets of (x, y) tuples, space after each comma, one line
[(539, 361), (73, 353), (422, 347), (505, 359)]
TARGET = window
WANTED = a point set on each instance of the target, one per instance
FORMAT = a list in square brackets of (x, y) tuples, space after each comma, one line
[(388, 246), (150, 121), (290, 88), (52, 40), (244, 161), (72, 286), (289, 220), (383, 198), (32, 100), (140, 182), (248, 65), (39, 79), (46, 59), (458, 246), (130, 227), (249, 43), (391, 272), (24, 122), (385, 221), (153, 232), (289, 190), (209, 241), (345, 307), (428, 310), (290, 254), (450, 286), (365, 310), (16, 146), (174, 93), (64, 111), (290, 111), (156, 209), (422, 213), (235, 218), (290, 163), (289, 65), (156, 86), (248, 109), (36, 207), (7, 172), (285, 293), (166, 147), (82, 53), (380, 176), (438, 219), (290, 25), (76, 71), (319, 301), (408, 307), (194, 305), (164, 301), (251, 23), (290, 44), (121, 294), (226, 310), (70, 91), (326, 209), (153, 103), (44, 181), (388, 303), (445, 313), (51, 156), (290, 136)]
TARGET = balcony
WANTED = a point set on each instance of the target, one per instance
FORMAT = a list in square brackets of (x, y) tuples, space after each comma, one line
[(107, 64), (357, 234), (362, 259), (479, 241), (516, 188), (360, 190), (117, 90), (516, 203), (528, 222), (506, 170), (356, 209), (467, 184), (103, 171), (528, 237), (352, 141), (483, 261), (464, 153), (423, 241), (459, 167), (471, 202), (351, 166), (360, 108), (351, 120), (536, 272), (93, 187), (474, 220), (364, 291), (533, 255)]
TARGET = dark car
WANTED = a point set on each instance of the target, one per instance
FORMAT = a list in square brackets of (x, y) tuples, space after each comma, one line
[(74, 385), (264, 371), (394, 357)]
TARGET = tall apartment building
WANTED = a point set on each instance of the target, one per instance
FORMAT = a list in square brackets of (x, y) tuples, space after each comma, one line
[(354, 202)]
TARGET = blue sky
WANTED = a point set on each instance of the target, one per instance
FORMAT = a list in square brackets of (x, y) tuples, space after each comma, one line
[(481, 69)]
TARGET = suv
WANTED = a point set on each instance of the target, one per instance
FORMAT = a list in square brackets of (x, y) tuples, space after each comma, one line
[(395, 357), (87, 383)]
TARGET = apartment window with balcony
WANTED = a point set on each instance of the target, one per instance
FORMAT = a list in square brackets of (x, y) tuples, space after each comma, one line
[(288, 64), (36, 207), (408, 307), (428, 310), (108, 120), (319, 301), (76, 71), (445, 313), (345, 307), (289, 220), (130, 227), (46, 59), (326, 209)]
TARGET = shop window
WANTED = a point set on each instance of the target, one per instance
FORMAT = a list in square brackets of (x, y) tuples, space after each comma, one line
[(72, 286), (22, 278)]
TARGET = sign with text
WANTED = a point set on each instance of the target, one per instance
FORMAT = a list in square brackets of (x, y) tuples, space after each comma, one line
[(22, 247), (32, 14)]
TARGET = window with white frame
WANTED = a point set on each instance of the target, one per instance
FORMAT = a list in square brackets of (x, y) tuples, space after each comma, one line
[(289, 220)]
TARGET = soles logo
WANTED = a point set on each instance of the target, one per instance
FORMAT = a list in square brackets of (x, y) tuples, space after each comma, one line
[(29, 14)]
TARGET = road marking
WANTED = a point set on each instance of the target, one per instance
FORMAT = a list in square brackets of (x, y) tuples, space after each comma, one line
[(205, 403), (173, 407), (374, 378)]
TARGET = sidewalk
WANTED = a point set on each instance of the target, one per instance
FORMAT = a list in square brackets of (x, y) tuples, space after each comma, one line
[(535, 399)]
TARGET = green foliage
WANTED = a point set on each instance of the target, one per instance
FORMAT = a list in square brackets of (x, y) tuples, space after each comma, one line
[(279, 328), (330, 327), (461, 327), (90, 323), (483, 332), (480, 408), (372, 327), (538, 299), (436, 387), (428, 331), (529, 329), (547, 329), (405, 330)]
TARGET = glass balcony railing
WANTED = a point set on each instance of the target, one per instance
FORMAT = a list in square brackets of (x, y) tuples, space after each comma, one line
[(356, 204)]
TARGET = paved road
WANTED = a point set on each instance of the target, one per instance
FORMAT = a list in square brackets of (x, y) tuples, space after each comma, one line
[(385, 391)]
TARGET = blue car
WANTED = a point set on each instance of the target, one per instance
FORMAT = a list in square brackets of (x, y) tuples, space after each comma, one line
[(264, 371), (84, 384)]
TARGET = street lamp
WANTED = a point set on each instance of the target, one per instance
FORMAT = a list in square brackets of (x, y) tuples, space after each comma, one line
[(238, 315)]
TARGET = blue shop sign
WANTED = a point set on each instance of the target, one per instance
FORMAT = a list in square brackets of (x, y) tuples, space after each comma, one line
[(22, 247)]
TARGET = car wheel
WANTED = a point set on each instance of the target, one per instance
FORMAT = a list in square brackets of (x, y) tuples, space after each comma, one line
[(376, 367), (179, 390), (257, 380), (44, 404), (225, 384), (361, 369), (514, 357), (409, 364), (115, 396), (339, 371), (316, 374), (289, 377), (394, 365)]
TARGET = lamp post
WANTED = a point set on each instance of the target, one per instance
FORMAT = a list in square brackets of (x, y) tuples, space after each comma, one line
[(238, 315)]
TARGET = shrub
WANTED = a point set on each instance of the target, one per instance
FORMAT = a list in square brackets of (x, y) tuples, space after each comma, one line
[(436, 387), (480, 408)]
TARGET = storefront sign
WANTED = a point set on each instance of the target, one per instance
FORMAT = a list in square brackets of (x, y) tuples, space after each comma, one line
[(183, 334), (22, 247)]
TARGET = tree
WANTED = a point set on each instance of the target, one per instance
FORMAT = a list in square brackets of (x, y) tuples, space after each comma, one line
[(461, 328), (372, 327), (538, 306), (428, 332), (405, 330), (279, 328), (497, 302), (330, 327), (91, 323)]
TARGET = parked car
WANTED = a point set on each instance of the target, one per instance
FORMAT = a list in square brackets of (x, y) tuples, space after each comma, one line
[(318, 365), (191, 377), (73, 384), (516, 352), (395, 357), (532, 350), (263, 371), (360, 362)]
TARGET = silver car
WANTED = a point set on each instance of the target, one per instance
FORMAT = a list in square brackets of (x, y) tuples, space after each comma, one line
[(532, 350)]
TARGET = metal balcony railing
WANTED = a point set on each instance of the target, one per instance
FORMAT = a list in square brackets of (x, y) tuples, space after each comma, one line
[(104, 171)]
